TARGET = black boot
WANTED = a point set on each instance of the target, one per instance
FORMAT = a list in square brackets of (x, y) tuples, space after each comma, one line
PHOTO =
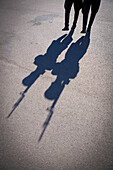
[(66, 28)]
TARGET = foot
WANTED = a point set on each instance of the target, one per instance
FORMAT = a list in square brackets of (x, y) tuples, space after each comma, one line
[(83, 31), (65, 28)]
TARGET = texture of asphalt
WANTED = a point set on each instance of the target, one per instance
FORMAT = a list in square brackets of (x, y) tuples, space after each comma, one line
[(56, 100)]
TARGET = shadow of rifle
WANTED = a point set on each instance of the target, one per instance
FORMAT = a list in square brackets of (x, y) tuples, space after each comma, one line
[(51, 111), (18, 101)]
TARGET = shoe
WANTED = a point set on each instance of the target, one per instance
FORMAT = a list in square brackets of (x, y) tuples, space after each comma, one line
[(83, 31), (65, 28)]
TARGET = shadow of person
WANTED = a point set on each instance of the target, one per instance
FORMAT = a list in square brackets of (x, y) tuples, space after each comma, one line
[(65, 70), (43, 63), (48, 60)]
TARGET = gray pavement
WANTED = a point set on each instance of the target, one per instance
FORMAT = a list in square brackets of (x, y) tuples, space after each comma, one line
[(55, 115)]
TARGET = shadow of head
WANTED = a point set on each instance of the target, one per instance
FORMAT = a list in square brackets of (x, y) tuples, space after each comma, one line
[(38, 60)]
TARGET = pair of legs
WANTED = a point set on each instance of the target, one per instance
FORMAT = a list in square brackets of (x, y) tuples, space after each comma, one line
[(68, 6), (94, 4), (85, 18)]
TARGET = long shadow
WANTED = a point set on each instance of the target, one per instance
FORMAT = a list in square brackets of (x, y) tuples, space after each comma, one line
[(43, 63), (65, 70)]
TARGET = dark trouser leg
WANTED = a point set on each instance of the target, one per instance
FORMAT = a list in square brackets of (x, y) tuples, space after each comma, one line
[(67, 14), (92, 17), (85, 18), (75, 19), (85, 11)]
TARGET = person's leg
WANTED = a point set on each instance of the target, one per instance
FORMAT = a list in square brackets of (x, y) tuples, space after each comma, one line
[(75, 19), (85, 11), (85, 18), (94, 9), (77, 7), (66, 27), (67, 6), (92, 17)]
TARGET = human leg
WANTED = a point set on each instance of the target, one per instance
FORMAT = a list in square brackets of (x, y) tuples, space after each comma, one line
[(92, 17), (85, 18), (66, 27), (67, 6), (75, 19), (94, 9), (85, 11)]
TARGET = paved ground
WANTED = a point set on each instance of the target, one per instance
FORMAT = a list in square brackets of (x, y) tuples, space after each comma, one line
[(56, 109)]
